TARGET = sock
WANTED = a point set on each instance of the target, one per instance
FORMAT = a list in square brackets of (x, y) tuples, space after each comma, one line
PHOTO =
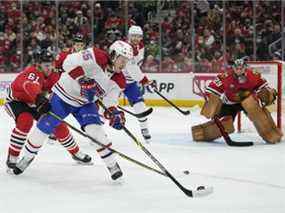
[(63, 135), (19, 134), (97, 132), (139, 108), (34, 143)]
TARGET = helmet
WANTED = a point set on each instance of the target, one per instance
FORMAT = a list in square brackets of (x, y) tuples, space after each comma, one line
[(78, 38), (135, 30), (239, 62), (42, 56), (120, 48)]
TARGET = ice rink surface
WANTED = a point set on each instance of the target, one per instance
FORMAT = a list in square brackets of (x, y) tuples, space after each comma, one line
[(245, 179)]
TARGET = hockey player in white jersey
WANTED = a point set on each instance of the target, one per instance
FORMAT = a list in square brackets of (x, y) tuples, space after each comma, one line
[(135, 77), (82, 83)]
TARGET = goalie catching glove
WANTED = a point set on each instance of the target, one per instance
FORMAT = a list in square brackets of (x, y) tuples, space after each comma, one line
[(267, 96), (146, 82), (116, 117), (264, 96)]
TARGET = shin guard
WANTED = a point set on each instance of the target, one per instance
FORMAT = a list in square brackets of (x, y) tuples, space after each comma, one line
[(262, 120), (209, 131)]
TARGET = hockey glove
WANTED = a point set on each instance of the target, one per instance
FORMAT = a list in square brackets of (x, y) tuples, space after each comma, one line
[(146, 82), (42, 104), (116, 117), (267, 96), (88, 88)]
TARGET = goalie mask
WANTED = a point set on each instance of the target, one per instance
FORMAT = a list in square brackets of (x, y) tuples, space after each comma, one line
[(120, 53), (239, 66)]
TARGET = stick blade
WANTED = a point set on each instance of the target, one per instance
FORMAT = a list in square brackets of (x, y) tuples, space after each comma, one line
[(185, 112), (240, 144), (145, 113), (207, 190)]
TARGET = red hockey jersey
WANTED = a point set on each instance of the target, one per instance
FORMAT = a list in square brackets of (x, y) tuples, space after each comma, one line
[(232, 88), (61, 57), (29, 83)]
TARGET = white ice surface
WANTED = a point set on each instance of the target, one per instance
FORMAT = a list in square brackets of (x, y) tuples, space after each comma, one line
[(245, 179)]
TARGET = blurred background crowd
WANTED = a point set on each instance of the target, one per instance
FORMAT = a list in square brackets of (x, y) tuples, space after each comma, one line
[(179, 36)]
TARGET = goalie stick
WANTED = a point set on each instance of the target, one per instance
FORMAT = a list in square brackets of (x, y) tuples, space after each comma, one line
[(138, 115), (199, 192), (217, 121), (187, 112)]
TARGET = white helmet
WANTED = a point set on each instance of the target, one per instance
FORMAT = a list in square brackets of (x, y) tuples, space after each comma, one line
[(135, 30), (121, 48)]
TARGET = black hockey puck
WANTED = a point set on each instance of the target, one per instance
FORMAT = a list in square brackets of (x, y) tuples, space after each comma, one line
[(186, 172), (200, 188)]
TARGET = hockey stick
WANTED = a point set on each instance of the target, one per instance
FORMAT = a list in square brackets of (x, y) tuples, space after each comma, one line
[(187, 112), (217, 121), (199, 192), (103, 145), (138, 115)]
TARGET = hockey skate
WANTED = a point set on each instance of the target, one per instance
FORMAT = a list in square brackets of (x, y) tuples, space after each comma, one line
[(51, 139), (115, 171), (22, 165), (146, 135), (11, 163), (82, 158)]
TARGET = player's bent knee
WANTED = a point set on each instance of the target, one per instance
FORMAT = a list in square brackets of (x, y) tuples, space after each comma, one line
[(25, 122), (211, 107), (61, 131), (139, 107), (37, 137), (209, 131), (262, 120), (97, 132), (47, 124)]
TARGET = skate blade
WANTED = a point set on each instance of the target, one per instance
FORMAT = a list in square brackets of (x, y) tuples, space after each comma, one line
[(79, 163), (147, 141), (10, 171), (119, 181)]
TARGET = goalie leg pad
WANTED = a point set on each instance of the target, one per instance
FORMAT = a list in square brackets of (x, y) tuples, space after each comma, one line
[(211, 107), (209, 131), (262, 120)]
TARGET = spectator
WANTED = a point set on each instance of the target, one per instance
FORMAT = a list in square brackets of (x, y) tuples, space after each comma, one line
[(152, 49)]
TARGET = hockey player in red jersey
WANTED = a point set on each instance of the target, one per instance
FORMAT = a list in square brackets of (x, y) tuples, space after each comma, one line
[(240, 88), (78, 45), (26, 101), (83, 82)]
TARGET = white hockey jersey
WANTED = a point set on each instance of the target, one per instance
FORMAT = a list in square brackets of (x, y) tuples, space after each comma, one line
[(133, 71), (88, 63)]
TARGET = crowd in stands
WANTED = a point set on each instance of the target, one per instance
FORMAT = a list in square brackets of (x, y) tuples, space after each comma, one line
[(10, 50), (39, 28), (180, 36)]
